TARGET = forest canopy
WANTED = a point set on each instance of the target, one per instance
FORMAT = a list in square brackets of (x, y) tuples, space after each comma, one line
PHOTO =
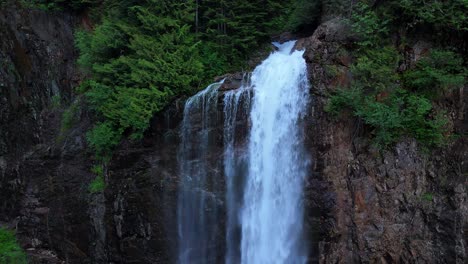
[(143, 54)]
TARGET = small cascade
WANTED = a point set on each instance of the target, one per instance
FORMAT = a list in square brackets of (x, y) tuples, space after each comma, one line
[(235, 102), (197, 208)]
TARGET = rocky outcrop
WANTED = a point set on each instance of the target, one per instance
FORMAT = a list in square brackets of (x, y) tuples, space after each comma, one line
[(395, 206), (37, 58), (363, 205)]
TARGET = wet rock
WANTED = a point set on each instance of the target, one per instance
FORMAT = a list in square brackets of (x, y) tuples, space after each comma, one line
[(363, 204), (386, 205), (231, 81)]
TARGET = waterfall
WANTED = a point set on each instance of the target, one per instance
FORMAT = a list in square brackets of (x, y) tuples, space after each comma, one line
[(235, 102), (272, 214), (197, 207), (263, 174)]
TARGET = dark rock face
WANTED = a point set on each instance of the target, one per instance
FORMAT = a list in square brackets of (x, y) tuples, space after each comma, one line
[(232, 81), (37, 57), (38, 191), (363, 205), (392, 206)]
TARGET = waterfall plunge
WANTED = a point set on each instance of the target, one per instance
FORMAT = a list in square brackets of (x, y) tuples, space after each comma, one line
[(264, 216), (272, 213)]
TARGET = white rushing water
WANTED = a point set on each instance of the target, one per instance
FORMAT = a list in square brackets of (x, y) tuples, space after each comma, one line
[(236, 105), (264, 173), (272, 212), (196, 210)]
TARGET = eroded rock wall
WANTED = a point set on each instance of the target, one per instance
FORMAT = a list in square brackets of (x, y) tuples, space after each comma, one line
[(363, 205), (37, 58), (399, 205)]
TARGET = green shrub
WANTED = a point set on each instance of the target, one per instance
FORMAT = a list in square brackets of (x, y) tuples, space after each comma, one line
[(368, 26), (442, 14), (421, 122), (97, 185), (439, 71), (384, 116), (69, 116), (10, 251), (139, 64), (335, 8), (377, 98), (392, 104), (103, 138), (427, 197), (344, 99), (128, 108), (399, 114), (56, 101), (375, 69), (98, 170)]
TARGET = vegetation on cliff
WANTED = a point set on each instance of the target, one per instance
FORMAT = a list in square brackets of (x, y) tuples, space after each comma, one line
[(98, 184), (141, 55), (398, 102), (10, 251)]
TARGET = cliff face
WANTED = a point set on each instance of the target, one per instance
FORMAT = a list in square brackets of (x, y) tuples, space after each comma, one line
[(37, 75), (398, 205), (363, 205)]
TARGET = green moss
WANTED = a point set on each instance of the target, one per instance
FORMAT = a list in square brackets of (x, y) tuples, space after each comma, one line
[(56, 101), (98, 184), (98, 170), (69, 117), (331, 70), (427, 197), (10, 251)]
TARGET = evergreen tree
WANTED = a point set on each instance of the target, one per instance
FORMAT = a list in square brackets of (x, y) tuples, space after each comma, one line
[(143, 54)]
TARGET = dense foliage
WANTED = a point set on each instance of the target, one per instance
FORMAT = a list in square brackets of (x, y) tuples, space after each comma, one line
[(304, 14), (439, 14), (55, 5), (10, 251), (439, 71), (395, 103), (140, 55), (143, 54)]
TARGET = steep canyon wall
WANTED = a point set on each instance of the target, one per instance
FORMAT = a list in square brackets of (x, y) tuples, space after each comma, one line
[(362, 204)]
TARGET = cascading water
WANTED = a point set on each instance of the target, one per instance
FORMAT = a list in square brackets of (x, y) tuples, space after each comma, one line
[(197, 214), (272, 213), (263, 184), (235, 102)]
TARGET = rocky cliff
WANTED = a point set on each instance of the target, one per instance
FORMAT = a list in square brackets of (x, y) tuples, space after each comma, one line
[(38, 192), (363, 205), (395, 206)]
